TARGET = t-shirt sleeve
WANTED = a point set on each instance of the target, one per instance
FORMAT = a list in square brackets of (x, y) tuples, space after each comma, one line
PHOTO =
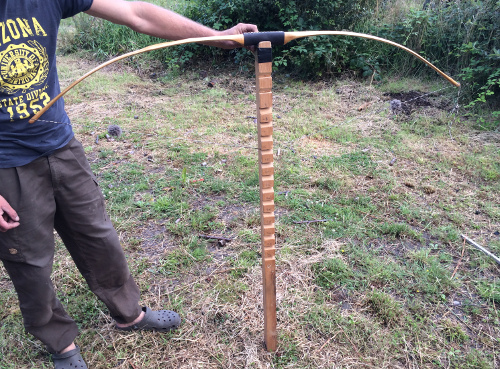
[(72, 7)]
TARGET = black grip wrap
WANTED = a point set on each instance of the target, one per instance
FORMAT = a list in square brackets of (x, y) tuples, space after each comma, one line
[(277, 38), (264, 55)]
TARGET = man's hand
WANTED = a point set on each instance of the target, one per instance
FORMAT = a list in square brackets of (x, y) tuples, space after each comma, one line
[(236, 30), (8, 216)]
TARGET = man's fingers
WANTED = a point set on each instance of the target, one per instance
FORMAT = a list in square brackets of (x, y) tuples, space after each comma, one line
[(7, 225), (9, 213), (246, 28), (8, 221), (239, 29)]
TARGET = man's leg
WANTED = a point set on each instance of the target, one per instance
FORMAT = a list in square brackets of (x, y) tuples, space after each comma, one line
[(87, 232), (43, 315), (27, 253)]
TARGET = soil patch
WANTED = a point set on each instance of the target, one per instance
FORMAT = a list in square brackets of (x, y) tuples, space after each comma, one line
[(412, 100)]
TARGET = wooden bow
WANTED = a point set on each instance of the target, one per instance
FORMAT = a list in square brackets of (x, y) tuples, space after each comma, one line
[(246, 39)]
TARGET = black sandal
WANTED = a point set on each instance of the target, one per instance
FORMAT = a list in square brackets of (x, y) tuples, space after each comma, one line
[(159, 321), (69, 360)]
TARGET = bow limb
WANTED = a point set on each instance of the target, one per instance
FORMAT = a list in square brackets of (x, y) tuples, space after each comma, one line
[(236, 38), (246, 39), (289, 36)]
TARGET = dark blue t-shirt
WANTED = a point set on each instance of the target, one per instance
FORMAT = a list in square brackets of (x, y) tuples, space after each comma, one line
[(28, 78)]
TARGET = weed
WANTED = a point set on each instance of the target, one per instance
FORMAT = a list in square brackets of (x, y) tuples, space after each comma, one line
[(329, 183), (489, 290), (288, 354), (384, 307), (333, 272), (453, 332), (477, 360), (230, 292), (249, 236), (397, 230), (246, 259), (174, 262), (356, 163), (203, 220), (169, 206)]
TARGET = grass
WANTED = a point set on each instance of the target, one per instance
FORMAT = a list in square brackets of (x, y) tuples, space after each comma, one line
[(385, 281)]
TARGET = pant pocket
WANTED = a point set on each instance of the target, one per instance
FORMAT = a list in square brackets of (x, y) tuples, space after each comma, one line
[(10, 249)]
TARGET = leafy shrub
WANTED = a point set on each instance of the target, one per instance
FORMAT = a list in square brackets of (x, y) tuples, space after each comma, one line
[(306, 57), (462, 38)]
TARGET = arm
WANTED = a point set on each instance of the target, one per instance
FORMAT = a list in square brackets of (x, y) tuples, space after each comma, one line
[(8, 216), (159, 22)]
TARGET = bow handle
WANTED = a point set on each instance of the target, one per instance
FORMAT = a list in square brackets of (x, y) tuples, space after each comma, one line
[(277, 38)]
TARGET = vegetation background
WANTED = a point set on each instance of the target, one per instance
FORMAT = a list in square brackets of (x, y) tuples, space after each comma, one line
[(462, 37), (371, 201)]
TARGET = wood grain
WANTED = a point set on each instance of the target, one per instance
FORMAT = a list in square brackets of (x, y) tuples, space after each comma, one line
[(266, 180)]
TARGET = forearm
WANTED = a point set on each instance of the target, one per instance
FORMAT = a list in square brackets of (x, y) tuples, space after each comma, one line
[(155, 21), (150, 19)]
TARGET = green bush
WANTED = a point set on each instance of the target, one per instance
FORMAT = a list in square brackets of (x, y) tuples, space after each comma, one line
[(462, 38), (106, 40), (313, 56)]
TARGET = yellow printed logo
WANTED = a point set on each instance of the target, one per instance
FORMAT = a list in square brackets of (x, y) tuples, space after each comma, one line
[(22, 67)]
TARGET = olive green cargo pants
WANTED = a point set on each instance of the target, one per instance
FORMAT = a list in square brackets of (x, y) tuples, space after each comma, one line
[(60, 191)]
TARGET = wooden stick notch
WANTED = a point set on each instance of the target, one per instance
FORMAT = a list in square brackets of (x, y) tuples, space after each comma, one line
[(264, 83)]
